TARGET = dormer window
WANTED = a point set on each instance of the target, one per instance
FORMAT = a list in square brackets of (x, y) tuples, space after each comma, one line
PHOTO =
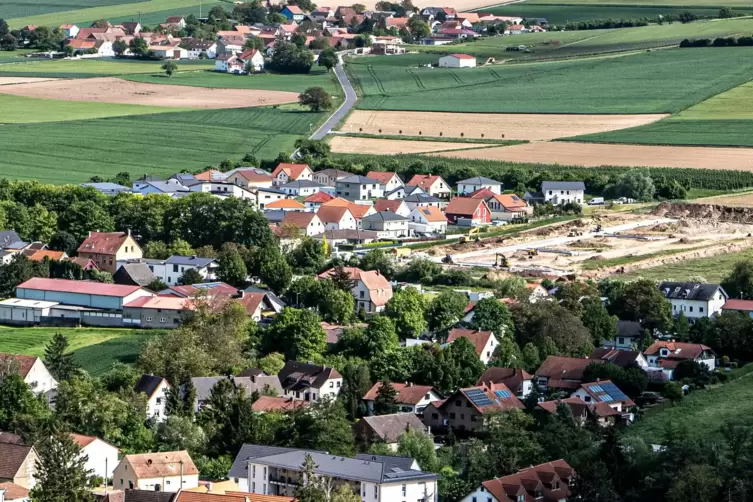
[(521, 498), (539, 493), (664, 352)]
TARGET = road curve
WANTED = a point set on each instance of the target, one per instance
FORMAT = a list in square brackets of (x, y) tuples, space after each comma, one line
[(350, 101)]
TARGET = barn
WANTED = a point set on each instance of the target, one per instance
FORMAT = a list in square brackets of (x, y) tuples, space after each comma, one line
[(457, 61)]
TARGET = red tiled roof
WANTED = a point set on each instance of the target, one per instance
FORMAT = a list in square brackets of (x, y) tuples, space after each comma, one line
[(255, 497), (379, 287), (298, 219), (161, 302), (189, 290), (359, 211), (24, 362), (248, 53), (14, 491), (320, 197), (424, 180), (406, 393), (41, 254), (294, 9), (528, 481), (84, 441), (82, 44), (355, 273), (103, 242), (84, 287), (383, 177), (252, 176), (564, 368), (292, 170), (387, 205), (462, 56), (510, 201), (482, 193), (479, 339), (463, 206), (743, 305), (432, 214), (497, 403), (271, 403), (512, 377), (332, 214), (678, 350), (285, 204)]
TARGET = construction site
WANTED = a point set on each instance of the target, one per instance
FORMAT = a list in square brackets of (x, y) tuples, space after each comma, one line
[(607, 244)]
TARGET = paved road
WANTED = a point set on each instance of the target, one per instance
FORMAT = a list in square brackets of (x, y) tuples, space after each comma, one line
[(350, 101), (556, 241)]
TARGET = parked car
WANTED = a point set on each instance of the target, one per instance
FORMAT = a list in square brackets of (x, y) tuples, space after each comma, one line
[(596, 201), (498, 223)]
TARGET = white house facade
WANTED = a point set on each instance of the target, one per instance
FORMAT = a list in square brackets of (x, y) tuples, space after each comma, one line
[(563, 192)]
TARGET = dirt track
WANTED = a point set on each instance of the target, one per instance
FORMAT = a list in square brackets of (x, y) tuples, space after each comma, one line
[(348, 144), (742, 200), (531, 127), (114, 90), (594, 155), (22, 80)]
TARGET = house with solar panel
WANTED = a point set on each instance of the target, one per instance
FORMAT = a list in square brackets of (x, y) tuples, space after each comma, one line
[(466, 408), (606, 392)]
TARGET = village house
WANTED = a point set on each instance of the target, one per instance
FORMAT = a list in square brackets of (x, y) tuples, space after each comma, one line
[(358, 188), (604, 391), (302, 188), (19, 464), (456, 60), (335, 238), (197, 48), (131, 27), (387, 224), (629, 334), (11, 492), (431, 185), (266, 404), (601, 413), (155, 388), (398, 207), (744, 306), (169, 187), (161, 312), (427, 219), (464, 410), (261, 383), (293, 13), (550, 481), (621, 358), (314, 202), (167, 471), (308, 223), (467, 187), (694, 300), (285, 205), (107, 248), (33, 372), (70, 30), (172, 269), (330, 176), (371, 289), (274, 470), (483, 341), (251, 178), (390, 181), (565, 373), (266, 196), (387, 429), (563, 192), (228, 45), (517, 380), (504, 207), (107, 188), (309, 382), (665, 356), (229, 63), (337, 218), (464, 211), (410, 398), (285, 173), (102, 457), (425, 200)]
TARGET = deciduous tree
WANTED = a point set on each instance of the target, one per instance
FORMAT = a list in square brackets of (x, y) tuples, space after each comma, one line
[(446, 310), (295, 333), (407, 308), (316, 99), (490, 314)]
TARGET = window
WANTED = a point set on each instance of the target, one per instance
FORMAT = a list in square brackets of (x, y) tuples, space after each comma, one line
[(253, 487), (376, 491), (363, 490), (338, 384), (175, 268), (404, 490), (621, 340), (452, 416), (700, 309), (539, 494), (462, 416), (332, 385), (159, 400), (587, 399), (162, 319), (149, 319), (121, 481), (253, 471), (457, 403), (435, 416), (474, 418), (167, 482), (265, 473), (691, 308)]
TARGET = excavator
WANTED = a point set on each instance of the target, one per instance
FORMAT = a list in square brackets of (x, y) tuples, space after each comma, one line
[(473, 231), (574, 232), (501, 261), (532, 252)]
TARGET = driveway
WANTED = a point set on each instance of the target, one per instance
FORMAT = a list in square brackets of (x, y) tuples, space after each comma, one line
[(350, 101)]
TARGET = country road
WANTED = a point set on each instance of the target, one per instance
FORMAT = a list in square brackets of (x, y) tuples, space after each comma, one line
[(350, 101)]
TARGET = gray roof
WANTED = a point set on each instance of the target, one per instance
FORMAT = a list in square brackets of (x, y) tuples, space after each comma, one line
[(623, 358), (106, 187), (480, 180), (193, 261), (352, 469), (147, 384), (249, 384), (135, 274), (270, 190), (405, 463), (302, 184), (275, 216), (422, 197), (170, 186), (690, 291), (562, 185), (334, 173), (389, 428), (183, 177), (299, 376), (8, 237), (385, 216), (361, 180)]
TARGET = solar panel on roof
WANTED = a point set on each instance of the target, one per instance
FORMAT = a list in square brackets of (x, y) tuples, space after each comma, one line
[(504, 394), (605, 399), (596, 388), (615, 392), (515, 198)]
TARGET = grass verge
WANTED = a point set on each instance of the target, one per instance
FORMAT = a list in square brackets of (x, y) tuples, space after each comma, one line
[(714, 268)]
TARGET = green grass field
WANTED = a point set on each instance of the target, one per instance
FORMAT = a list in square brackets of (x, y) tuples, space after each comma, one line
[(87, 10), (664, 81), (568, 11), (264, 81), (713, 269), (16, 110), (83, 68), (160, 144), (705, 410), (153, 18), (94, 349), (23, 8)]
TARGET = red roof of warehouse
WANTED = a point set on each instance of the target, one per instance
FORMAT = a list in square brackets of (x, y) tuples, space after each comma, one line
[(83, 287)]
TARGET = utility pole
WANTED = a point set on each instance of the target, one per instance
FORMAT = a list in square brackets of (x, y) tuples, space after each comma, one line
[(106, 471)]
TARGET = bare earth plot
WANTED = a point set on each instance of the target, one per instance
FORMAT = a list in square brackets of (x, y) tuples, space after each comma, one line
[(21, 80), (523, 126), (346, 144), (114, 90), (741, 200), (593, 155)]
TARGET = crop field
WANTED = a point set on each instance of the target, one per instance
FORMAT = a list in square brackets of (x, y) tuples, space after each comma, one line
[(85, 68), (680, 3), (579, 43), (570, 11), (651, 82), (157, 17), (160, 144), (24, 8), (263, 81), (87, 10), (95, 349)]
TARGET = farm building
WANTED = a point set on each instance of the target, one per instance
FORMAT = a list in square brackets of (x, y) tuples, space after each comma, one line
[(457, 61)]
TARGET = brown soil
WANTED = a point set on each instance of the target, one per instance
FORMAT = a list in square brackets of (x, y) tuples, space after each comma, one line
[(530, 127), (22, 80), (348, 144), (114, 90), (742, 200), (594, 155), (709, 212)]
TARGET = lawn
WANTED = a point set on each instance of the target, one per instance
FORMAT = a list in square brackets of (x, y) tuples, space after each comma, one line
[(722, 120), (569, 11), (82, 11), (705, 410), (664, 81), (16, 110), (263, 81), (713, 269), (95, 349), (82, 68), (160, 144)]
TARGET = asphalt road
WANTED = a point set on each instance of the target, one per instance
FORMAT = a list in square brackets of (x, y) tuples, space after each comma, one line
[(350, 101)]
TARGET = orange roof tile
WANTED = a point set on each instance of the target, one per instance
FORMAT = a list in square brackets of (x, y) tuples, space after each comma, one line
[(463, 206), (293, 171), (320, 197), (272, 403), (285, 204), (424, 180), (41, 254), (432, 214), (332, 214), (103, 242), (478, 339), (383, 177), (406, 393), (298, 219), (387, 205)]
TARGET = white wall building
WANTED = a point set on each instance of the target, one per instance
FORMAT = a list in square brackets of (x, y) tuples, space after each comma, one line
[(693, 299), (457, 61), (155, 389), (563, 192), (103, 457), (467, 187)]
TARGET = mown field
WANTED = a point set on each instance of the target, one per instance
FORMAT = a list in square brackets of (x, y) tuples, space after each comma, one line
[(84, 68), (569, 11), (664, 81), (263, 81), (87, 10), (159, 144), (153, 18), (579, 43), (725, 119), (23, 8), (94, 349), (713, 269)]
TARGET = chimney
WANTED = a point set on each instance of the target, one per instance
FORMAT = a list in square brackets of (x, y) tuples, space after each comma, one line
[(129, 232), (241, 293)]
